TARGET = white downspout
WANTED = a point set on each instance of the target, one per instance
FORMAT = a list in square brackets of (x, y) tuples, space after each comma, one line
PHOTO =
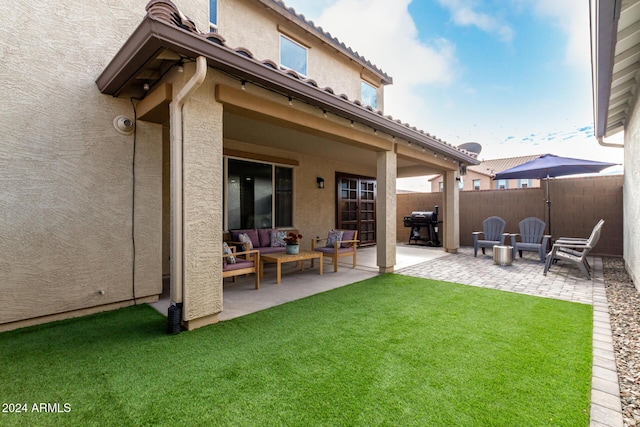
[(608, 144), (177, 207)]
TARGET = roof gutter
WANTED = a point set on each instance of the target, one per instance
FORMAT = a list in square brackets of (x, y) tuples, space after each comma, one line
[(177, 189), (153, 35), (608, 144), (605, 16)]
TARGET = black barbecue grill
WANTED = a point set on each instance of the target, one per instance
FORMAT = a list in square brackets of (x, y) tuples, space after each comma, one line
[(424, 227)]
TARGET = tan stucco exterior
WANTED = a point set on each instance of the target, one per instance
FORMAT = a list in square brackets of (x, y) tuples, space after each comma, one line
[(631, 196), (262, 38), (67, 174), (90, 214)]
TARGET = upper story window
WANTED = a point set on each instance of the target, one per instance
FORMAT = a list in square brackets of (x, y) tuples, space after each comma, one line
[(369, 95), (524, 183), (213, 14), (293, 55), (476, 184)]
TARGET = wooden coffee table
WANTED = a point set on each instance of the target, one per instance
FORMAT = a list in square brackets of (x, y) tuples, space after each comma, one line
[(281, 257)]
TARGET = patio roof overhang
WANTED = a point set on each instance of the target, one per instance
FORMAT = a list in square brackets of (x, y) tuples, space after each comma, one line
[(615, 27), (158, 44)]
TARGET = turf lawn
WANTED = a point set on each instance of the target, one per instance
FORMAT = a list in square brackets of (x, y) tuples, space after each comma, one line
[(389, 351)]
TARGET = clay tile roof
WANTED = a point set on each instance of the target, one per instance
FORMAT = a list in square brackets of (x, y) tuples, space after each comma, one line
[(166, 11), (492, 167), (244, 51)]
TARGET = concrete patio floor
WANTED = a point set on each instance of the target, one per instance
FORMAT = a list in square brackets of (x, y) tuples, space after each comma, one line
[(564, 281)]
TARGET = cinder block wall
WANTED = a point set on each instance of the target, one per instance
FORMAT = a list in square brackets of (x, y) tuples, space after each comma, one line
[(576, 205)]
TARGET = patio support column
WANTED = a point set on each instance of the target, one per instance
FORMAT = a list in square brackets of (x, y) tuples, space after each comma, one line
[(386, 210), (202, 178), (451, 215)]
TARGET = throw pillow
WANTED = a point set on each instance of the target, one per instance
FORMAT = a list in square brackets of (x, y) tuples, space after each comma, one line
[(347, 235), (251, 232), (277, 239), (264, 235), (333, 237), (246, 240), (226, 250)]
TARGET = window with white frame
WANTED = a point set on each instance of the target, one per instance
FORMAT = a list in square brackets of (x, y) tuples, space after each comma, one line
[(293, 55), (441, 186), (524, 183), (502, 184), (369, 95), (213, 14), (258, 195), (476, 184)]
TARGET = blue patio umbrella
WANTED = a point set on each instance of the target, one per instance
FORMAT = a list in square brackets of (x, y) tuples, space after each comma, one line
[(550, 166)]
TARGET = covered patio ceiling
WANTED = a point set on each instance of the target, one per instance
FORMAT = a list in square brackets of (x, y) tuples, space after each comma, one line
[(246, 129), (165, 39)]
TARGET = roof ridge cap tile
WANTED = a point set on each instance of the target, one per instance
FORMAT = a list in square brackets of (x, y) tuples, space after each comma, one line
[(167, 11)]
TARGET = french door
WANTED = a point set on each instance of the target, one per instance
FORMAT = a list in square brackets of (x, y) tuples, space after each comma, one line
[(356, 206)]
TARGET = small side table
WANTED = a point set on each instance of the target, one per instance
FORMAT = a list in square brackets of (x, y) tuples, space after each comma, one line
[(503, 255)]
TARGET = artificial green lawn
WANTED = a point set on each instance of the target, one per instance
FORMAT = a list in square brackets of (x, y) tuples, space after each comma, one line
[(392, 351)]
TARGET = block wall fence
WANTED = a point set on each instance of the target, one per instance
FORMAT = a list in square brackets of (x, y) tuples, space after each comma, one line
[(576, 205)]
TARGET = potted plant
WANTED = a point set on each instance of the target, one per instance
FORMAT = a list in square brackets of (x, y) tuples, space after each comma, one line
[(293, 243)]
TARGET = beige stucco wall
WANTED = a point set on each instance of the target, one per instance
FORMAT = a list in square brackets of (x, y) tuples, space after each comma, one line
[(202, 129), (262, 38), (631, 195), (66, 174)]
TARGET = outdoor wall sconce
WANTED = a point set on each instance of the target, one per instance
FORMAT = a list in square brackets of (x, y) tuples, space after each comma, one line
[(320, 182)]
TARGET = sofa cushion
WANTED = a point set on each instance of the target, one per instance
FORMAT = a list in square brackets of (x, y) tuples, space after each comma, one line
[(272, 249), (264, 235), (239, 265), (347, 235), (331, 251)]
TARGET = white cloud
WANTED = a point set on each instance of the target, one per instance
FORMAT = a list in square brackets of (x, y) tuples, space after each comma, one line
[(572, 18), (386, 34), (464, 13)]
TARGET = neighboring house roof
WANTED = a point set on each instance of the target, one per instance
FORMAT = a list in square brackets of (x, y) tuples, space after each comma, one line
[(309, 26), (164, 32), (492, 167), (615, 62)]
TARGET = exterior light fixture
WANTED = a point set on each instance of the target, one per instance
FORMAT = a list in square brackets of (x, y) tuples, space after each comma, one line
[(320, 182)]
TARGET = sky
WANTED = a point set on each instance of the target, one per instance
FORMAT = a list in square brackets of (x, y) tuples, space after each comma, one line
[(512, 75)]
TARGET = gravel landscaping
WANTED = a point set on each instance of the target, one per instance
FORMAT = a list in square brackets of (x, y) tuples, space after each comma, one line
[(624, 310)]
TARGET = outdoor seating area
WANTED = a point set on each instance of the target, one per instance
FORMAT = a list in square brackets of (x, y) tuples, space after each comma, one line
[(338, 244), (574, 250)]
